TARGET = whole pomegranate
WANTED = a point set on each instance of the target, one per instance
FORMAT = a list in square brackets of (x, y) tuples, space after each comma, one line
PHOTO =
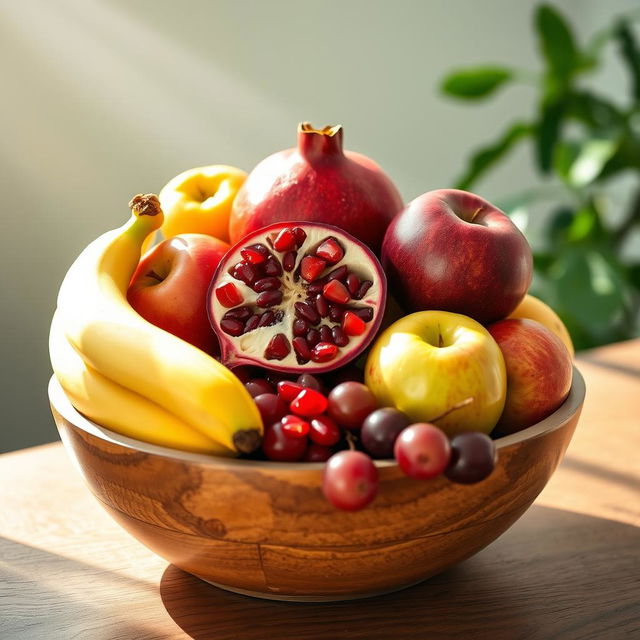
[(317, 182)]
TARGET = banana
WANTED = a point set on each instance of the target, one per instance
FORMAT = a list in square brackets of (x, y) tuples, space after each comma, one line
[(120, 409), (114, 340)]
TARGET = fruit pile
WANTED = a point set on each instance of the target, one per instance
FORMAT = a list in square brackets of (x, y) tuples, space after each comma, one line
[(340, 327)]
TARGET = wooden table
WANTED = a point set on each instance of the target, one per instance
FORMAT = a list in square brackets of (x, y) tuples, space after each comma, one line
[(570, 568)]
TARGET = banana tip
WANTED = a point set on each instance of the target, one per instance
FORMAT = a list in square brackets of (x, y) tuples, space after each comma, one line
[(247, 440)]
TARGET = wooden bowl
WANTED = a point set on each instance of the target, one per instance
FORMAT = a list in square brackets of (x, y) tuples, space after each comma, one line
[(265, 529)]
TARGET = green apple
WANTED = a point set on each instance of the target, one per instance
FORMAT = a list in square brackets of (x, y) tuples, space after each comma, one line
[(429, 361)]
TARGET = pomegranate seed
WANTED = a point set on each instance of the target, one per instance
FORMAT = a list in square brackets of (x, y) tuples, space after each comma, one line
[(301, 348), (311, 267), (313, 337), (323, 352), (306, 312), (316, 287), (325, 334), (322, 306), (228, 295), (245, 272), (255, 254), (272, 267), (288, 390), (242, 313), (289, 261), (330, 251), (335, 291), (232, 326), (324, 430), (340, 338), (353, 325), (310, 382), (295, 427), (364, 287), (353, 283), (278, 347), (267, 318), (285, 240), (264, 284), (335, 313), (300, 235), (252, 323), (366, 313), (269, 298), (309, 403), (338, 274), (300, 327)]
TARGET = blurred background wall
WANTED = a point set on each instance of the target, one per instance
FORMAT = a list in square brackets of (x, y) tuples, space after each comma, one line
[(104, 99)]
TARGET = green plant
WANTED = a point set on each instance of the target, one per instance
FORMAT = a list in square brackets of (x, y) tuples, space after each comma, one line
[(587, 149)]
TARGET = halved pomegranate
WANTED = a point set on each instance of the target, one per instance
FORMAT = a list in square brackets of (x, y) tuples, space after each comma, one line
[(308, 297)]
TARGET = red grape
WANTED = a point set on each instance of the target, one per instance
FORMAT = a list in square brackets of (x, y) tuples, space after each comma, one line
[(271, 407), (317, 453), (380, 430), (473, 457), (350, 403), (258, 386), (277, 445), (324, 431), (350, 480), (422, 451), (310, 382)]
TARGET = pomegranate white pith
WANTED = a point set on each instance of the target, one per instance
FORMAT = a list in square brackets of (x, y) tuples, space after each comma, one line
[(251, 347)]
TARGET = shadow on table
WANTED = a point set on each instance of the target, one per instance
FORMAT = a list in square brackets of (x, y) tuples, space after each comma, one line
[(44, 595), (553, 574)]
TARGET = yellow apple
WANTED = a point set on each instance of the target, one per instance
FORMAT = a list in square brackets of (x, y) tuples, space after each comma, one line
[(427, 362), (531, 308), (199, 201)]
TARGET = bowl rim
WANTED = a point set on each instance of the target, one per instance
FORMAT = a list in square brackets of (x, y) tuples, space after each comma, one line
[(61, 403)]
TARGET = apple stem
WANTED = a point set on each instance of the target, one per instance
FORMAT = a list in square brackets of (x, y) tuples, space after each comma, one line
[(455, 407)]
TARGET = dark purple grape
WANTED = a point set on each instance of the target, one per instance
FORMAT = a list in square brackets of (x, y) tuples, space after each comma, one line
[(380, 430), (310, 382), (473, 457)]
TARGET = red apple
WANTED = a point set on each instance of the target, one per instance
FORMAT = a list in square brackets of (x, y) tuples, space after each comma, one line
[(169, 287), (453, 251), (539, 372)]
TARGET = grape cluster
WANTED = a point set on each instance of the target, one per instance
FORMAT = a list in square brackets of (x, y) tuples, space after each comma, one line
[(304, 423)]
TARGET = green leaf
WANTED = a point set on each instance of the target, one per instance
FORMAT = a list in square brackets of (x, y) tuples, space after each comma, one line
[(548, 132), (592, 157), (483, 159), (590, 289), (594, 111), (581, 163), (631, 55), (556, 42), (475, 82)]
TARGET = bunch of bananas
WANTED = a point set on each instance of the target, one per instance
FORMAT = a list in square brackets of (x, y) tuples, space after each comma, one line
[(127, 374)]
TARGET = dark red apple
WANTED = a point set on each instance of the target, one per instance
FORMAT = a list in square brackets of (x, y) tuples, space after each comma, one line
[(169, 287), (453, 251), (539, 372)]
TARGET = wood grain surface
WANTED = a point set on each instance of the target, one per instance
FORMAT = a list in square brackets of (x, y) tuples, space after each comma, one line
[(569, 568)]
